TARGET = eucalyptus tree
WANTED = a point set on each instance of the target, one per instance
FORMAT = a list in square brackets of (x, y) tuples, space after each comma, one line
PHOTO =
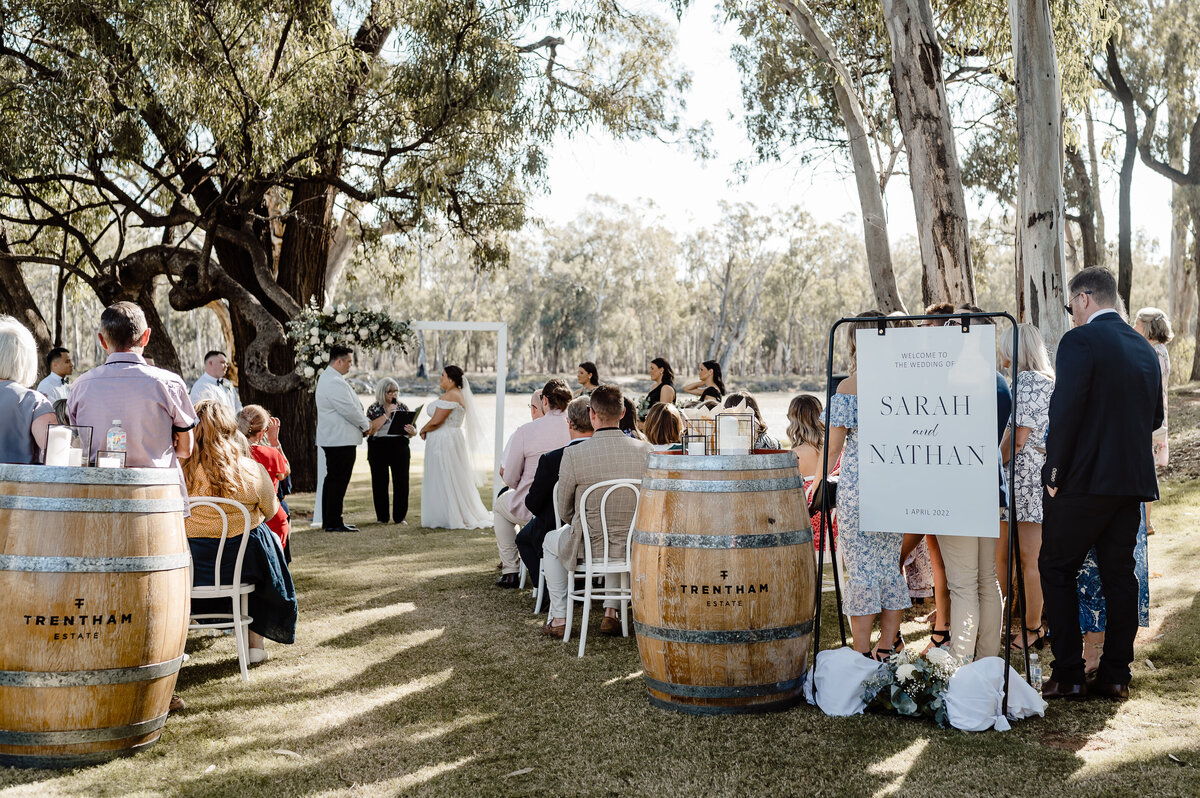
[(228, 145)]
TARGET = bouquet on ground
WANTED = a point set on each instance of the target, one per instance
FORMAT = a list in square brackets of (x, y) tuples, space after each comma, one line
[(912, 684)]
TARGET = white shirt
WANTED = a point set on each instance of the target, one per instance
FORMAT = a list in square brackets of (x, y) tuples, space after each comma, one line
[(53, 388), (1100, 313), (209, 387), (340, 417)]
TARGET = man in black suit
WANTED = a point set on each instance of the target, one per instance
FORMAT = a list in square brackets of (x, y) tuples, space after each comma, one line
[(540, 499), (1099, 468)]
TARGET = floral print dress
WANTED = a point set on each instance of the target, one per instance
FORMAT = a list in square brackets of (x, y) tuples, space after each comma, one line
[(1093, 615), (1159, 440), (874, 580), (1033, 411)]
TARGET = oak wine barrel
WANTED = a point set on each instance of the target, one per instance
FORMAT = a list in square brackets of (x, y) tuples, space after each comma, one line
[(94, 571), (723, 580)]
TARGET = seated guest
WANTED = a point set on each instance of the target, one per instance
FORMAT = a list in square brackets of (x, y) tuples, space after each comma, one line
[(610, 454), (664, 428), (25, 415), (54, 385), (388, 452), (528, 443), (540, 498), (535, 405), (152, 403), (219, 468), (262, 431), (741, 400), (629, 421)]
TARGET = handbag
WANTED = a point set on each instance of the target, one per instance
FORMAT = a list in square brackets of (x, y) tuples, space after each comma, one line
[(824, 487)]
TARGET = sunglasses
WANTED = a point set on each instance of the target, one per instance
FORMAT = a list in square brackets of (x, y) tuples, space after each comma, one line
[(1071, 301)]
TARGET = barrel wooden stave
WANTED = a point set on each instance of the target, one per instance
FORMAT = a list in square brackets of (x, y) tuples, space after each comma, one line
[(759, 667), (139, 652)]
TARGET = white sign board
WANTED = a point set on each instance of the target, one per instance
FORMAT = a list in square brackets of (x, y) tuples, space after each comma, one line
[(928, 454)]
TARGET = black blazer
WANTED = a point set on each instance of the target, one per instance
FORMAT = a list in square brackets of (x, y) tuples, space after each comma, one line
[(540, 498), (1107, 402)]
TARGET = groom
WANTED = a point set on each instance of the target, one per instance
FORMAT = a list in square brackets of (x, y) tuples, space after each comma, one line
[(1099, 469)]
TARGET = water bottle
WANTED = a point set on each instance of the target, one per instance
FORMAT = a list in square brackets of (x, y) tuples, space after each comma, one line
[(1035, 672), (115, 439)]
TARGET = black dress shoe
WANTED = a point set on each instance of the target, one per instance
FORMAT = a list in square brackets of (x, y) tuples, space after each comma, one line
[(1053, 689), (342, 528), (509, 580), (1115, 691)]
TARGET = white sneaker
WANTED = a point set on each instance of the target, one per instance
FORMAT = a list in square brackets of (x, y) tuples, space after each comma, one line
[(258, 655)]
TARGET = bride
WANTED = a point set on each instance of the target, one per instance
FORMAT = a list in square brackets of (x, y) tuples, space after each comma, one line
[(449, 495)]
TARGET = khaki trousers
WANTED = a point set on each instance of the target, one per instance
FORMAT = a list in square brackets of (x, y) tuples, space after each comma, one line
[(976, 609), (507, 526)]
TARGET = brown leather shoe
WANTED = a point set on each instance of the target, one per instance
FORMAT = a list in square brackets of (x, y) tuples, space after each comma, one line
[(556, 632), (610, 626), (1053, 689), (177, 704), (1117, 692)]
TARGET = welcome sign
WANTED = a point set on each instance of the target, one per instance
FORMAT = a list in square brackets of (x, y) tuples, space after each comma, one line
[(928, 456)]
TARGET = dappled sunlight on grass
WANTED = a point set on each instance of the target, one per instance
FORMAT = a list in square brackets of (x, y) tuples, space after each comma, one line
[(441, 730), (897, 766), (392, 786), (627, 678)]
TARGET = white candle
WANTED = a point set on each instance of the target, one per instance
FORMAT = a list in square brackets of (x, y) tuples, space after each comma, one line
[(732, 442), (58, 442), (108, 462), (75, 457), (695, 447)]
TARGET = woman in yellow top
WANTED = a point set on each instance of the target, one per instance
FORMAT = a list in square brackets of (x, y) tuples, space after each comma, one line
[(221, 466)]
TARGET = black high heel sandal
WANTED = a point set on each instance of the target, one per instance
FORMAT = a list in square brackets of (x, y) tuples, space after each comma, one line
[(1041, 634), (939, 638)]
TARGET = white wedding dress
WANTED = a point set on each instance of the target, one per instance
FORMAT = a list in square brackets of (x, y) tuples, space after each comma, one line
[(449, 498)]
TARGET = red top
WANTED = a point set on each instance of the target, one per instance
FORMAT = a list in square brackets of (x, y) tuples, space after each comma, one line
[(276, 464)]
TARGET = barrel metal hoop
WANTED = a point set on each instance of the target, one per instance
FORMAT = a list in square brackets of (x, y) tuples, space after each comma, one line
[(93, 565), (83, 735), (721, 462), (723, 636), (723, 485), (737, 709), (61, 761), (766, 540), (76, 475), (76, 505), (722, 691), (142, 673)]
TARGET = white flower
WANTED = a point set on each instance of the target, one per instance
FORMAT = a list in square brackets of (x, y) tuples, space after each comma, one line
[(309, 371), (340, 318), (939, 656), (362, 332), (317, 359), (905, 672), (329, 338), (374, 328)]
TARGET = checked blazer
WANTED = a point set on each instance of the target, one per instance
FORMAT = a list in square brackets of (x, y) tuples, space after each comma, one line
[(608, 454)]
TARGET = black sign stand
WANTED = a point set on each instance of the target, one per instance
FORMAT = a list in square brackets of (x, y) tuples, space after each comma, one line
[(1014, 542)]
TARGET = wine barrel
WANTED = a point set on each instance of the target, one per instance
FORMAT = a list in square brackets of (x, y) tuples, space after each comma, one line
[(94, 571), (723, 580)]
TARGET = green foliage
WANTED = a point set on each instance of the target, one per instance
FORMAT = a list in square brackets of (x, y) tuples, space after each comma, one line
[(313, 332)]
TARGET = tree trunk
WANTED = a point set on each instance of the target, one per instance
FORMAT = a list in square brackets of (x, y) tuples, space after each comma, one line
[(934, 173), (1124, 98), (1040, 203), (1179, 288), (1194, 208), (17, 301), (1083, 186), (1094, 171), (870, 195)]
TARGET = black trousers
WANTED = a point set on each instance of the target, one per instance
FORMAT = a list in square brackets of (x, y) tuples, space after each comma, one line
[(389, 453), (1071, 526), (339, 464), (529, 545)]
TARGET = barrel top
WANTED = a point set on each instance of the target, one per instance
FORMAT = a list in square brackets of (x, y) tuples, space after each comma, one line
[(759, 460), (80, 475)]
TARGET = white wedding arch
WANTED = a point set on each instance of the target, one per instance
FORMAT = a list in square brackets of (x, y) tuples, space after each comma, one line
[(501, 330)]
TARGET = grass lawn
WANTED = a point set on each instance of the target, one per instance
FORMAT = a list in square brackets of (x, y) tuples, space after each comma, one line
[(412, 674)]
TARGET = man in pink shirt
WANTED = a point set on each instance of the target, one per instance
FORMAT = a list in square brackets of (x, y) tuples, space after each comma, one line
[(528, 443), (152, 403)]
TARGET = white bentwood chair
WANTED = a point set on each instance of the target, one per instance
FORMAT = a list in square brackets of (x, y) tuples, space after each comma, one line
[(540, 591), (610, 569), (237, 591)]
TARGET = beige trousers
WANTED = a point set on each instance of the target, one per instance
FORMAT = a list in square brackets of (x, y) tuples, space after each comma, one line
[(507, 527), (976, 609)]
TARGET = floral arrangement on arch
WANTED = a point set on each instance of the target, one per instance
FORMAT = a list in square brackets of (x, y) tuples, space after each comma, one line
[(314, 331), (912, 684)]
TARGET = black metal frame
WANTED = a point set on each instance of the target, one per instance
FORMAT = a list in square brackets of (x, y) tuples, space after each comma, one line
[(1014, 543)]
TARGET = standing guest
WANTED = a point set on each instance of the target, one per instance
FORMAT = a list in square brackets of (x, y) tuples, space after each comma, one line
[(588, 377), (262, 431), (1034, 385), (528, 443), (450, 498), (1155, 327), (219, 468), (664, 428), (741, 400), (710, 385), (937, 309), (388, 453), (152, 403), (663, 389), (806, 431), (341, 426), (1099, 468), (213, 384), (26, 414), (54, 385), (610, 454), (540, 498), (875, 586)]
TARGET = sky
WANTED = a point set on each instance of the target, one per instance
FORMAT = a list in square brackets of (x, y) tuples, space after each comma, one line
[(687, 193)]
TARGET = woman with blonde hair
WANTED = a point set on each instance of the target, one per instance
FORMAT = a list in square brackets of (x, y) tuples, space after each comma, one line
[(25, 415), (388, 453), (1027, 443), (806, 433), (219, 468), (1155, 327), (261, 430)]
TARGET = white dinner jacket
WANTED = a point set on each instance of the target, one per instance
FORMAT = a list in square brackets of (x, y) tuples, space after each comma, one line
[(340, 417)]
